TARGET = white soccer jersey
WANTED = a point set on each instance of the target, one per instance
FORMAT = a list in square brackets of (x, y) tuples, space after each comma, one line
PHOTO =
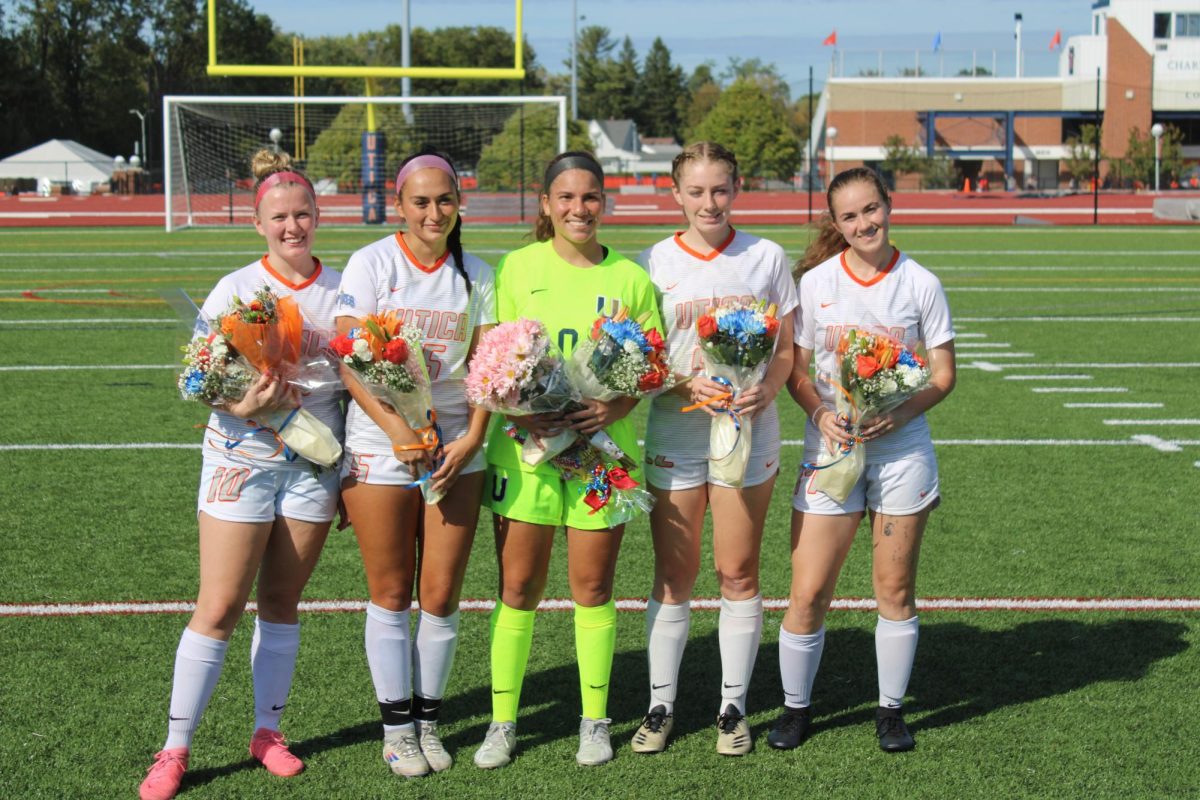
[(316, 298), (905, 301), (385, 276), (745, 267)]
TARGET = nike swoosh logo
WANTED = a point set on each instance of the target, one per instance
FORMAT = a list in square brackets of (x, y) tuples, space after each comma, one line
[(769, 463), (397, 288), (279, 708), (535, 291), (659, 685), (922, 494), (501, 691), (594, 686), (823, 305), (389, 700), (176, 719), (732, 685), (669, 288)]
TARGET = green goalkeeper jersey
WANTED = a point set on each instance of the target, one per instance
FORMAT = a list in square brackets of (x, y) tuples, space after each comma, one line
[(536, 283)]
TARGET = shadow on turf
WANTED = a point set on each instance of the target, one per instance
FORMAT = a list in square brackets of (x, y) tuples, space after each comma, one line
[(963, 672)]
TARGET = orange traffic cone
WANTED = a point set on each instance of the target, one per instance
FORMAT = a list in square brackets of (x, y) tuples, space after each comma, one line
[(966, 185)]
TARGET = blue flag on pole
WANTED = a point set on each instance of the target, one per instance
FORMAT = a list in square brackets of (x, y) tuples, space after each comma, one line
[(937, 41)]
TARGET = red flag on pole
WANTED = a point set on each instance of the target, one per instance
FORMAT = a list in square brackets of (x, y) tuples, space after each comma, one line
[(831, 39), (1057, 40)]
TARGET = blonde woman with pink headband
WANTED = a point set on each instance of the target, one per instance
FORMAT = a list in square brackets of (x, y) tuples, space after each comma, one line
[(260, 515), (421, 274)]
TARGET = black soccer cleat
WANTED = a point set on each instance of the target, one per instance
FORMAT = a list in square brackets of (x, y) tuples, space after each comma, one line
[(892, 732), (790, 729)]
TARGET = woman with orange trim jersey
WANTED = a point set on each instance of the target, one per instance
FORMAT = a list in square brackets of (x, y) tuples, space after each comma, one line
[(852, 276), (423, 275), (692, 270), (260, 515)]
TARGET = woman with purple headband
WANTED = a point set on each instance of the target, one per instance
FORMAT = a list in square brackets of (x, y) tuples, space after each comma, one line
[(261, 515), (421, 274)]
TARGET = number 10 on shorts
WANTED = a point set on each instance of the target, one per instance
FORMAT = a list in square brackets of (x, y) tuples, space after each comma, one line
[(226, 484)]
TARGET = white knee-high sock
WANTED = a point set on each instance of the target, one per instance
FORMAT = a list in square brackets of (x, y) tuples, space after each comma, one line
[(667, 628), (272, 663), (895, 648), (198, 662), (799, 659), (389, 655), (739, 629), (437, 639)]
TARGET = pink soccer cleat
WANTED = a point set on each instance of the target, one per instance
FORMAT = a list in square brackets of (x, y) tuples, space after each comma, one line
[(165, 774), (269, 748)]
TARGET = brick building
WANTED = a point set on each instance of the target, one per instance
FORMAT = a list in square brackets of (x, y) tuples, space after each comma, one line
[(1142, 55)]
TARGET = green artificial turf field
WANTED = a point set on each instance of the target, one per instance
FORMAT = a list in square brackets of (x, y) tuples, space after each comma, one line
[(1046, 495)]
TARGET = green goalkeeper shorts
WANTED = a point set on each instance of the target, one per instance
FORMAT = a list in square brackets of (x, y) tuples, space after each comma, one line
[(542, 499)]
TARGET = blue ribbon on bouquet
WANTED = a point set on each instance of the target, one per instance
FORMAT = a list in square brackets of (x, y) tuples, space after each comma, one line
[(735, 415), (845, 448), (231, 444), (431, 439)]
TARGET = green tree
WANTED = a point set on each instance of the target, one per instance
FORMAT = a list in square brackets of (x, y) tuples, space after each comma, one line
[(594, 65), (976, 72), (703, 92), (1138, 164), (753, 124), (765, 75), (900, 158), (500, 164), (662, 94), (337, 151), (1081, 154)]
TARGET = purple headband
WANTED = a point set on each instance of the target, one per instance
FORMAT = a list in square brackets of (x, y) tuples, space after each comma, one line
[(427, 161), (286, 176)]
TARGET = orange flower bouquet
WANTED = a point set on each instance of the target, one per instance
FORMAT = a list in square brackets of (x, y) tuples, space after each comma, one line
[(876, 373)]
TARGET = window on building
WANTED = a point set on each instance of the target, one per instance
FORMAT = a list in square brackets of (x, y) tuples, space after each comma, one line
[(1162, 26), (1187, 25)]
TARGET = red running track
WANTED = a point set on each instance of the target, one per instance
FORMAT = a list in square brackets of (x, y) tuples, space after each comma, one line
[(753, 208)]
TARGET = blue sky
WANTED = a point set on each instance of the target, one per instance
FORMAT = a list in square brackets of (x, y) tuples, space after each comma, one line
[(787, 33)]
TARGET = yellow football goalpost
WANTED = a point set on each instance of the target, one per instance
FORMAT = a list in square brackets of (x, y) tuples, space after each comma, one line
[(301, 70)]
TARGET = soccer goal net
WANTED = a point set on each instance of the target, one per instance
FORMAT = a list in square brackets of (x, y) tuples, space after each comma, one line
[(500, 145)]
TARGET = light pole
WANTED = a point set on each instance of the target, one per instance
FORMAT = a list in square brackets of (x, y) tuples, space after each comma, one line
[(831, 134), (574, 59), (142, 118), (1156, 130)]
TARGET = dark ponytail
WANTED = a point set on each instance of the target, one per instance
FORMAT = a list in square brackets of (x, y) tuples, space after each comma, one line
[(454, 241), (454, 244), (828, 240)]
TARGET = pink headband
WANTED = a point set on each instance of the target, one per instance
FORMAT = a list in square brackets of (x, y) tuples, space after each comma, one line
[(428, 161), (276, 178)]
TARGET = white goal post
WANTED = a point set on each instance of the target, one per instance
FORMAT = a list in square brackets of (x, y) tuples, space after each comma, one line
[(499, 145)]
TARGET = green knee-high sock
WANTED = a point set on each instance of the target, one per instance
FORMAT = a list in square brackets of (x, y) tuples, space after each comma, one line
[(595, 639), (512, 635)]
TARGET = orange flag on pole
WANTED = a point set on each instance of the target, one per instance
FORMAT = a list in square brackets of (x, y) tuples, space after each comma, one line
[(1057, 40), (831, 39)]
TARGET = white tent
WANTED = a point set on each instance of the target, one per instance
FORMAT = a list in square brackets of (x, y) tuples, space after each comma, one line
[(60, 161)]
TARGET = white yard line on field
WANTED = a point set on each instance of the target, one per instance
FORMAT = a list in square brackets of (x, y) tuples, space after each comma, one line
[(1076, 289), (1161, 445), (1152, 422), (1112, 405), (633, 604), (979, 345), (1133, 440), (93, 321), (74, 367), (1078, 389), (960, 335), (1157, 320), (1047, 377), (1115, 365)]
